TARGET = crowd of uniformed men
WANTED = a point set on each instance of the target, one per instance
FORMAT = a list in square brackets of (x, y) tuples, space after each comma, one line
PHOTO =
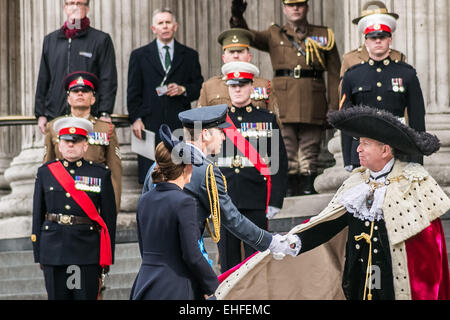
[(282, 119)]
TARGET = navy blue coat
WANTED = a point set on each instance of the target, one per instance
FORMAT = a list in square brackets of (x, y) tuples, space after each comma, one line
[(145, 74), (173, 268)]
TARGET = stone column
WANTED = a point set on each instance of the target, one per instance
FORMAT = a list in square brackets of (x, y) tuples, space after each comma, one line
[(9, 85), (422, 34)]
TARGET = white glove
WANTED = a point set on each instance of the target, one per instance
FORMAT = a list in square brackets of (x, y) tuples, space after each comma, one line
[(272, 212), (281, 246)]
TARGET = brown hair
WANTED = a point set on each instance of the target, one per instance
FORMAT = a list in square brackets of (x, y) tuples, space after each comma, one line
[(166, 169)]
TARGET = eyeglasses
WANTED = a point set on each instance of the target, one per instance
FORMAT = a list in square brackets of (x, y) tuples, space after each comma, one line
[(78, 4)]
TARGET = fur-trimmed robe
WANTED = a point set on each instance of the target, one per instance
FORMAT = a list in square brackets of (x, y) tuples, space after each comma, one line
[(412, 207)]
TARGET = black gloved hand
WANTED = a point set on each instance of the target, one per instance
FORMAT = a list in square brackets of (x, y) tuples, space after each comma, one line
[(238, 8)]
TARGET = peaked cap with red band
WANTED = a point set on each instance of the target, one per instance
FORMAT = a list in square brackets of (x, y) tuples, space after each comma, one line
[(377, 24), (73, 128), (81, 79), (238, 72)]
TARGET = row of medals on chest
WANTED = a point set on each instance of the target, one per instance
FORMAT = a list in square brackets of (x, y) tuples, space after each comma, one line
[(253, 129), (90, 184), (397, 83)]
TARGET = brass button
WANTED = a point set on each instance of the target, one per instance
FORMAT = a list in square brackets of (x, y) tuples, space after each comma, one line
[(367, 223), (360, 89), (46, 227), (379, 84), (358, 247), (72, 171), (68, 195), (376, 227), (67, 207), (379, 70), (379, 98), (375, 251), (51, 189), (237, 171), (282, 42)]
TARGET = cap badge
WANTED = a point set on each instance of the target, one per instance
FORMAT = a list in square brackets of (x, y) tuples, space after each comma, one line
[(235, 39), (72, 130), (80, 81), (377, 27), (237, 74)]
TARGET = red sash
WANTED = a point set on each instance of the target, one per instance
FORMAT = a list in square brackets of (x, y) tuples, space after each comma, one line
[(83, 200), (246, 148)]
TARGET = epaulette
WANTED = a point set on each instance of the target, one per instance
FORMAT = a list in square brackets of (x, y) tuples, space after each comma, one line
[(356, 66), (404, 64), (98, 165)]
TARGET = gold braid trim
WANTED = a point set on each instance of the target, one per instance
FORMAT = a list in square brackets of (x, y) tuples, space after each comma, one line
[(214, 204), (313, 47)]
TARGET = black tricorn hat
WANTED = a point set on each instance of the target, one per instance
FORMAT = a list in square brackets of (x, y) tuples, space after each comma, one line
[(383, 126), (181, 152)]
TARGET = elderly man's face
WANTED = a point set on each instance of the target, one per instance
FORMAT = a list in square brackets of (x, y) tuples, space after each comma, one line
[(76, 10), (373, 154), (164, 27)]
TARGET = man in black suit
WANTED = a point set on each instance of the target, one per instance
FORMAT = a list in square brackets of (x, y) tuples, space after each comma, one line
[(164, 77)]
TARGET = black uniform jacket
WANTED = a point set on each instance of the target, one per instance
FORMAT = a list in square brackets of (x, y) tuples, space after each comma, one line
[(247, 187), (388, 85), (356, 255), (173, 268), (58, 244), (90, 50), (230, 217)]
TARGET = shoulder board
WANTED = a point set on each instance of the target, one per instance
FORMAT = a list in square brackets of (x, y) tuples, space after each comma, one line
[(356, 66), (404, 64), (98, 165)]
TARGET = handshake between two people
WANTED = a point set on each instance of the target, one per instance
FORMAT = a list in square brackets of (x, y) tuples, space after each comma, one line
[(283, 245)]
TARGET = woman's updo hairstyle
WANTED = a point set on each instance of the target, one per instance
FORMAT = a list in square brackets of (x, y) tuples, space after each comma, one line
[(166, 169)]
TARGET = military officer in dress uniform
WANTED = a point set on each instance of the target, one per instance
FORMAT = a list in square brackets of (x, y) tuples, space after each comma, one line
[(258, 195), (361, 54), (236, 47), (74, 217), (103, 143), (381, 83), (300, 54)]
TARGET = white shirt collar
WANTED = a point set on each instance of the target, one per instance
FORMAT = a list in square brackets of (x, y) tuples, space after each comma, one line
[(387, 168)]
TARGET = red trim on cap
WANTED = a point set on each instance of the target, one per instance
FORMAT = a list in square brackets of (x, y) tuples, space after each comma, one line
[(240, 75), (378, 27), (73, 130), (85, 82)]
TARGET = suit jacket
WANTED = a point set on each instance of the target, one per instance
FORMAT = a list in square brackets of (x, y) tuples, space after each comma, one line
[(57, 244), (145, 74), (173, 268)]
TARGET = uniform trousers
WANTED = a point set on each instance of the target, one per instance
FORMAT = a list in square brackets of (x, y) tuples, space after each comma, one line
[(72, 282), (230, 247), (302, 141)]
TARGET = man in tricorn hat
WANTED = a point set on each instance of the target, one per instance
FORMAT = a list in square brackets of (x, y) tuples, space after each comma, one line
[(383, 230), (236, 47), (301, 53), (361, 54), (81, 88), (74, 217), (381, 83)]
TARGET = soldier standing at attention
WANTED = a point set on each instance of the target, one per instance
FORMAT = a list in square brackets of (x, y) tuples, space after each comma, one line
[(74, 217), (253, 161), (381, 83), (236, 47), (361, 54), (300, 54), (103, 143)]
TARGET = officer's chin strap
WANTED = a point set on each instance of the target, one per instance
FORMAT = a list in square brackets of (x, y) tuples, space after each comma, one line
[(368, 239)]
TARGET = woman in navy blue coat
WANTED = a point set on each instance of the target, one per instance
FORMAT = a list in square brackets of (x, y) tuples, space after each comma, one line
[(173, 268)]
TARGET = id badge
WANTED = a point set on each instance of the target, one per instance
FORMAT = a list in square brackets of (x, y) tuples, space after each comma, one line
[(161, 90)]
